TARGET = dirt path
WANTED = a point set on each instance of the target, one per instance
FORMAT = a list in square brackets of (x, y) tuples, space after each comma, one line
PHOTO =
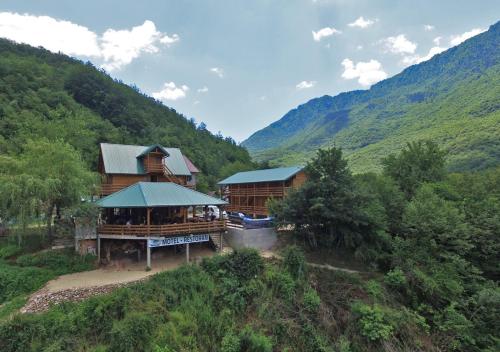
[(271, 254), (79, 286)]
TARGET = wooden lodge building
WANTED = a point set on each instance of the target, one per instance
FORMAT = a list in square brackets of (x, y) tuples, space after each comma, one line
[(248, 192), (149, 200)]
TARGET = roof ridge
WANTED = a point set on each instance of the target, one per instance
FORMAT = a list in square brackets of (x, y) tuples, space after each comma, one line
[(142, 192)]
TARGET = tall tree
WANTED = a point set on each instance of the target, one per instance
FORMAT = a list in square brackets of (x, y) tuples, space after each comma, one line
[(48, 175), (419, 162), (327, 209)]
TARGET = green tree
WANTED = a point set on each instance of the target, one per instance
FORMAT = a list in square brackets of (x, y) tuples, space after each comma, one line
[(47, 176), (327, 208), (419, 162)]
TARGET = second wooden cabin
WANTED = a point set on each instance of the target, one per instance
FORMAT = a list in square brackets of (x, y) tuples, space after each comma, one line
[(248, 192)]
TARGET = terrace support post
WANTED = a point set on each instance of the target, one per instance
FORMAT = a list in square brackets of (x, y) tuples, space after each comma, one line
[(98, 250), (221, 242), (148, 219), (187, 252), (148, 255)]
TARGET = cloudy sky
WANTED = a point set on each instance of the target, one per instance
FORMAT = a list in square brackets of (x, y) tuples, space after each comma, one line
[(240, 65)]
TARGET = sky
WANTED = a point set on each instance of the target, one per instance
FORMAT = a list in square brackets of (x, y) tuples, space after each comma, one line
[(238, 65)]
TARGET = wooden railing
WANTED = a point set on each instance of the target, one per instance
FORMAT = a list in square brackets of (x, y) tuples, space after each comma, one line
[(155, 168), (162, 230), (259, 191), (248, 209)]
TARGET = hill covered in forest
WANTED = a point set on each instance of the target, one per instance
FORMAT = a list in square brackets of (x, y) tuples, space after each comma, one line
[(53, 96), (452, 99)]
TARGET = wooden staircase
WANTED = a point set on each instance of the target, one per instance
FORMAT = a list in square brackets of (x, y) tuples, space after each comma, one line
[(215, 239)]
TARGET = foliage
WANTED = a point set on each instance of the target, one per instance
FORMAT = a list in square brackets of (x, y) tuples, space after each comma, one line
[(16, 281), (419, 162), (452, 99), (59, 262), (327, 209), (295, 262), (312, 300), (373, 322), (52, 96), (46, 175), (395, 278)]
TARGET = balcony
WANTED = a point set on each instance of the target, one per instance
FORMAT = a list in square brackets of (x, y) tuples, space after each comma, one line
[(259, 192), (187, 228), (154, 168)]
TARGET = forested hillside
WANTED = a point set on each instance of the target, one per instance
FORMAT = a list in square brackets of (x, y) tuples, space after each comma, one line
[(452, 99), (46, 95)]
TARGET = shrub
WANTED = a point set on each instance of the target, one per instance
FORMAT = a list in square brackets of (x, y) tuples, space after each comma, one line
[(61, 262), (132, 333), (231, 343), (9, 250), (374, 289), (373, 322), (252, 341), (395, 278), (15, 281), (282, 283), (244, 264), (295, 262), (311, 300)]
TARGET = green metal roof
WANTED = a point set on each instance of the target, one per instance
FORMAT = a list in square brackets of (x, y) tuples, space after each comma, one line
[(123, 159), (156, 194), (267, 175), (151, 148)]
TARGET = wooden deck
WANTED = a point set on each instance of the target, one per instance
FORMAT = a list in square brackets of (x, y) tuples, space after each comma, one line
[(163, 230), (259, 191)]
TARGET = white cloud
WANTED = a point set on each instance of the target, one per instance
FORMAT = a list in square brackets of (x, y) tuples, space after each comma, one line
[(437, 40), (116, 48), (202, 90), (170, 40), (263, 98), (359, 47), (218, 71), (305, 85), (416, 59), (54, 35), (400, 45), (428, 27), (196, 102), (457, 39), (120, 47), (324, 32), (367, 73), (362, 23), (170, 91)]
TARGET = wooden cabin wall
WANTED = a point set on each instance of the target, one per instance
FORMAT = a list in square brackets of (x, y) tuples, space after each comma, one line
[(126, 179), (299, 179)]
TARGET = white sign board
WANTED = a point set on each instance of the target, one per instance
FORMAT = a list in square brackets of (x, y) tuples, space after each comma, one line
[(172, 241)]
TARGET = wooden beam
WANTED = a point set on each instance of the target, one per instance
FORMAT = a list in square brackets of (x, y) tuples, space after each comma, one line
[(187, 252), (148, 254)]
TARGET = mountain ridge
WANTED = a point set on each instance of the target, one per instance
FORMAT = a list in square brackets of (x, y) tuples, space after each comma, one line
[(368, 124)]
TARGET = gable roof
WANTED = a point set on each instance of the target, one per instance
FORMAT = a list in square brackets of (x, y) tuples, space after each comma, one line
[(151, 148), (123, 159), (156, 194), (190, 165), (267, 175)]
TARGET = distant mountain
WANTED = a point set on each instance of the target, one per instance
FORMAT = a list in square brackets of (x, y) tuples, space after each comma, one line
[(453, 99), (47, 95)]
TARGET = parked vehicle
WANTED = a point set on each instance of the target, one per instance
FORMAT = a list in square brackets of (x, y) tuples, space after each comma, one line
[(216, 212)]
